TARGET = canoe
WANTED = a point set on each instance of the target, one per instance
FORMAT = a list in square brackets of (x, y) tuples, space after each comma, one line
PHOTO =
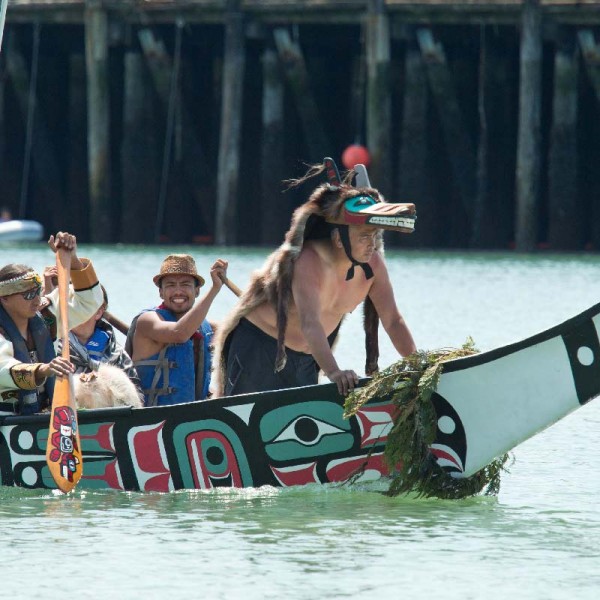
[(485, 405), (21, 231)]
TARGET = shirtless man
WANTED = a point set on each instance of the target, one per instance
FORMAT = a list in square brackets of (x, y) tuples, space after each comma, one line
[(280, 334)]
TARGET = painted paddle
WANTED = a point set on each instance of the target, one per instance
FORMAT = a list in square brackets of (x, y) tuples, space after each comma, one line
[(63, 449)]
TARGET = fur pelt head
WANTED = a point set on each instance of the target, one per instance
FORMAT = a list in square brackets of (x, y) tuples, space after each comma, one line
[(107, 387)]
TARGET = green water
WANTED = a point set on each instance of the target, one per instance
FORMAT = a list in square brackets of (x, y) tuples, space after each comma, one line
[(540, 538)]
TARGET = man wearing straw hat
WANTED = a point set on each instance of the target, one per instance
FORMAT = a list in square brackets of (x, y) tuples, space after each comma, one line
[(170, 344)]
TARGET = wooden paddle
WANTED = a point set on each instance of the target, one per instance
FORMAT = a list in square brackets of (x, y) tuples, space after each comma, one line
[(116, 322), (63, 449), (234, 288)]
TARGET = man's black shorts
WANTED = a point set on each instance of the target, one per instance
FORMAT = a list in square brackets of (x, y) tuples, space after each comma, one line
[(251, 363)]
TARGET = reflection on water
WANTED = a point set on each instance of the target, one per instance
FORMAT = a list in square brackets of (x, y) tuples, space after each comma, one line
[(539, 538)]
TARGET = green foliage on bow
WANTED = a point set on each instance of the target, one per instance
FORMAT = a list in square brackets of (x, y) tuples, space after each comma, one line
[(409, 384)]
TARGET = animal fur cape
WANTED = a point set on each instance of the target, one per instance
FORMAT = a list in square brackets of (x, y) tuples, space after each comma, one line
[(273, 282)]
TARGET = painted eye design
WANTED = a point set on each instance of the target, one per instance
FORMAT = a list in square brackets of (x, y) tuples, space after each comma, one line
[(215, 456), (306, 430), (361, 201)]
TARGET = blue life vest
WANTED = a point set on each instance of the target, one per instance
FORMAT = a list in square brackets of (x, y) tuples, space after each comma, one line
[(97, 344), (176, 374), (30, 401)]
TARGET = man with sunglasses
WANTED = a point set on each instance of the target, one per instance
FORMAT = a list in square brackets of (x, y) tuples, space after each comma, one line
[(28, 326)]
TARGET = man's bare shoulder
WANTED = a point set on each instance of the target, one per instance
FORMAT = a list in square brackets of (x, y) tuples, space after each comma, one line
[(148, 319), (145, 343), (315, 253), (150, 315)]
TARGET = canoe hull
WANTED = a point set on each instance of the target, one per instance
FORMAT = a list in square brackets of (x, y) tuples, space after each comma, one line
[(486, 404), (289, 437)]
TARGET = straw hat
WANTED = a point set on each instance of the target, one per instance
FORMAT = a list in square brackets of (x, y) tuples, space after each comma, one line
[(178, 264)]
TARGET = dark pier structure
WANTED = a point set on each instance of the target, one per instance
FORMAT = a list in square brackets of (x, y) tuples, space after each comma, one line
[(142, 121)]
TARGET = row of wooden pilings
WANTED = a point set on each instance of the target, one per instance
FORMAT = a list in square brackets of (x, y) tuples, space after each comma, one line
[(570, 209)]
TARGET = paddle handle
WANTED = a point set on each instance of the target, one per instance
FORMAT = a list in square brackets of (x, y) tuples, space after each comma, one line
[(116, 322), (63, 262), (234, 288)]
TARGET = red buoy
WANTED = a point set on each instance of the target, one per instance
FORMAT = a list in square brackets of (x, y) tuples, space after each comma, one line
[(355, 154)]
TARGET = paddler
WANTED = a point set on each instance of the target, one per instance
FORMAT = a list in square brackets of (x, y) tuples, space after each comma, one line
[(28, 325), (171, 344)]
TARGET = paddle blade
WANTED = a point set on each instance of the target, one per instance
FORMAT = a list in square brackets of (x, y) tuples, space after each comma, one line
[(63, 449)]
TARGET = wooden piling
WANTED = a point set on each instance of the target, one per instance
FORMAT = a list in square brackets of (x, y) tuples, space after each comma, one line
[(480, 216), (10, 145), (2, 131), (275, 213), (565, 220), (139, 163), (231, 125), (413, 173), (499, 90), (459, 146), (378, 105), (98, 118), (48, 191), (193, 162), (528, 169), (358, 95), (590, 51), (296, 75), (3, 7), (76, 218)]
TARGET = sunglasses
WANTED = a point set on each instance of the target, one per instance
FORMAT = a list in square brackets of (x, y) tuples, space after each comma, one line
[(31, 294)]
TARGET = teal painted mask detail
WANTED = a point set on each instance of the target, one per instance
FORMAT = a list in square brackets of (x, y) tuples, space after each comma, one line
[(359, 203)]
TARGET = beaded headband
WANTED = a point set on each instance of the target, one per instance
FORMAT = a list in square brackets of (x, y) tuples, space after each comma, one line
[(19, 284)]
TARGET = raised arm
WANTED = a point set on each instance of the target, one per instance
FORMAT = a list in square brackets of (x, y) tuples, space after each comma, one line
[(69, 242), (85, 293)]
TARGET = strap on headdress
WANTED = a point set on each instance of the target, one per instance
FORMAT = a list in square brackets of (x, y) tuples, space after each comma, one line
[(366, 267), (334, 180)]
